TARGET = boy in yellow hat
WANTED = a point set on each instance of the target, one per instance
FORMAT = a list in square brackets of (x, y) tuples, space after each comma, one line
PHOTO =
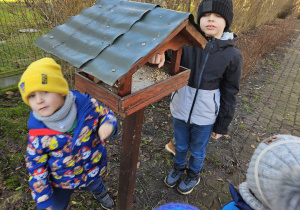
[(65, 149)]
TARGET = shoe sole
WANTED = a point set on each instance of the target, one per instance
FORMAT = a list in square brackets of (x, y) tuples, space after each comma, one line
[(171, 186), (104, 207), (169, 150), (188, 192)]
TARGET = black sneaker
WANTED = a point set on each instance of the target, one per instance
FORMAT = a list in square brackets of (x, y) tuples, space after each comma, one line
[(104, 199), (187, 185), (173, 176)]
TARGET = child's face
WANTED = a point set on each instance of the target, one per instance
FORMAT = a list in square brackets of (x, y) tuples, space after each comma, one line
[(45, 103), (212, 25)]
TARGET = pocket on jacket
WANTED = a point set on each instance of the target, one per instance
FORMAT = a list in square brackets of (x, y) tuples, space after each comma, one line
[(216, 105), (207, 105), (182, 102)]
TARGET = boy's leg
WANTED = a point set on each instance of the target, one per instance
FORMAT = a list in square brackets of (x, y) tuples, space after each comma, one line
[(97, 186), (61, 198), (200, 136), (182, 138), (181, 131), (100, 193)]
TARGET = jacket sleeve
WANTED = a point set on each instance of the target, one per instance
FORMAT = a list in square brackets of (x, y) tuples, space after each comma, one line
[(229, 88), (37, 166), (107, 116)]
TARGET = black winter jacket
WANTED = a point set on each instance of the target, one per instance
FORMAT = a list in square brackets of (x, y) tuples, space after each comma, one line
[(210, 96)]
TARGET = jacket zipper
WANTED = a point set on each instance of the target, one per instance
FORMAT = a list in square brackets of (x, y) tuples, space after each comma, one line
[(211, 41)]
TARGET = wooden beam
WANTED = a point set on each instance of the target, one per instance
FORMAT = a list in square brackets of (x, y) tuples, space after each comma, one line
[(130, 104), (131, 138), (193, 36), (125, 86), (84, 85), (175, 61)]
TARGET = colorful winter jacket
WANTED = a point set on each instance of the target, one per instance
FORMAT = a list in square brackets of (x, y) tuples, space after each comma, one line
[(57, 159), (209, 98)]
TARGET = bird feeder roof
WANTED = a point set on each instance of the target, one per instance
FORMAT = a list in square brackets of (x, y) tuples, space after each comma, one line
[(107, 39)]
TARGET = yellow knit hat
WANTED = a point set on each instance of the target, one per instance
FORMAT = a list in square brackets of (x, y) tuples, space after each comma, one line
[(42, 75)]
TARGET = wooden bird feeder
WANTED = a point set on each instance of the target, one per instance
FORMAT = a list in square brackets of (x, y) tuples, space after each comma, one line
[(132, 91), (120, 98)]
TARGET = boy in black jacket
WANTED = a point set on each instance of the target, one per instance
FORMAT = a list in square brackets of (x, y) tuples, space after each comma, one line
[(206, 105)]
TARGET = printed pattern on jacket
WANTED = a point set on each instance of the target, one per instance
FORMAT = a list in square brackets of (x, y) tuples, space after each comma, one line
[(55, 158)]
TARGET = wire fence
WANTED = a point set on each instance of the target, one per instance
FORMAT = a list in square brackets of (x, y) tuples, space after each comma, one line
[(22, 21), (14, 37)]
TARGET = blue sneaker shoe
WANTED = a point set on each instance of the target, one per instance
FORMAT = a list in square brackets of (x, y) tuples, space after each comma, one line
[(103, 198), (173, 176), (187, 185)]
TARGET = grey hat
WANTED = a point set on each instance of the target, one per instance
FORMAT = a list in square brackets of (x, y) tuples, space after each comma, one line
[(273, 176)]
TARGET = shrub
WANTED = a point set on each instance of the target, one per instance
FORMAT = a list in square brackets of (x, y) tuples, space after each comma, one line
[(287, 10), (258, 42)]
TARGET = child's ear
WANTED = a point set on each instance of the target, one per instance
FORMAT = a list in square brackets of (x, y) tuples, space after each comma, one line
[(64, 96)]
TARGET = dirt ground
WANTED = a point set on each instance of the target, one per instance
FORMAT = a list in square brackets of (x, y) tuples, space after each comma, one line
[(226, 159)]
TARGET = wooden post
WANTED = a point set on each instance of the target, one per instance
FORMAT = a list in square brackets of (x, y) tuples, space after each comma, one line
[(175, 62), (131, 138), (125, 87)]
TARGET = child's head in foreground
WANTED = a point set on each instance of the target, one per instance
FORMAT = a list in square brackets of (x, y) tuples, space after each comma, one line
[(43, 87), (215, 17), (272, 179)]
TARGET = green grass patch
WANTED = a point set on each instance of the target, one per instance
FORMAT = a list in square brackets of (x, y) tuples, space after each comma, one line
[(12, 182), (16, 158), (242, 127), (13, 139), (13, 120), (247, 108), (244, 99)]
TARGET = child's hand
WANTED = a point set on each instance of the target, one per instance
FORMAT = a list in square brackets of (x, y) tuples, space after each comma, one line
[(105, 130), (49, 208), (215, 135), (158, 59)]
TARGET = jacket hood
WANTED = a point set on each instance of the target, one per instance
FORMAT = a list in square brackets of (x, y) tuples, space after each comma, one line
[(228, 39)]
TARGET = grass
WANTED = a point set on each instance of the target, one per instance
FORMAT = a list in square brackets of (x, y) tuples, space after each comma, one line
[(16, 49), (13, 138), (12, 182), (213, 158), (244, 99), (242, 127)]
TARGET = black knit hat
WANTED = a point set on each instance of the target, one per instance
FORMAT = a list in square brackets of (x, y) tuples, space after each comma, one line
[(221, 7)]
